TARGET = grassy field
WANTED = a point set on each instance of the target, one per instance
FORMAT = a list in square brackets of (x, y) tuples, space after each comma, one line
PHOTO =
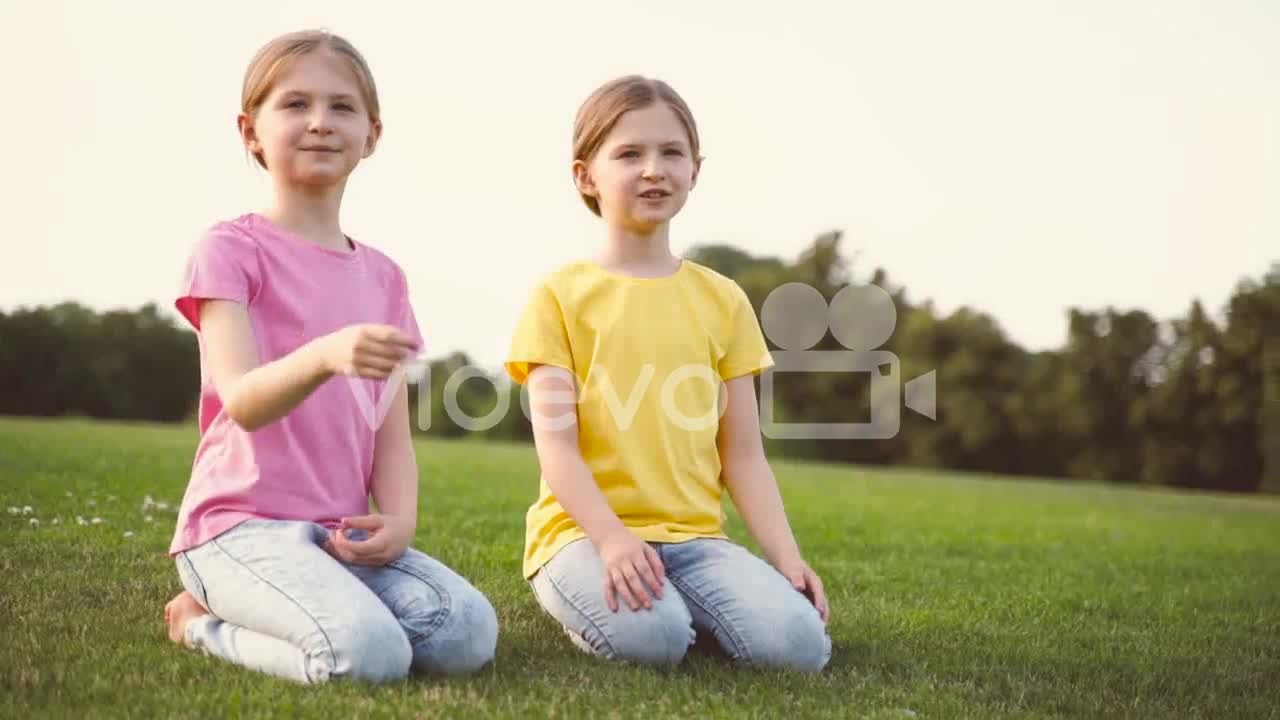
[(952, 596)]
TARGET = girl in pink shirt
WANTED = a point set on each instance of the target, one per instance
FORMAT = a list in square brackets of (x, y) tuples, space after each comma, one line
[(304, 412)]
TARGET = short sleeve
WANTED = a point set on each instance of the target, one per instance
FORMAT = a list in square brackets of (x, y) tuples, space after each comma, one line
[(746, 351), (406, 321), (541, 337), (223, 265)]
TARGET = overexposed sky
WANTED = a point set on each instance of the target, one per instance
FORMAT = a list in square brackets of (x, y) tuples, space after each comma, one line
[(1018, 157)]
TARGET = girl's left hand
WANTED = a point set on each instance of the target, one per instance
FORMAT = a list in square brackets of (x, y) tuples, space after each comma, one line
[(387, 539), (805, 580)]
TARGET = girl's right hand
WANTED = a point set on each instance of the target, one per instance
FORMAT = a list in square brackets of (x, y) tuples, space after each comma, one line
[(632, 569), (369, 350)]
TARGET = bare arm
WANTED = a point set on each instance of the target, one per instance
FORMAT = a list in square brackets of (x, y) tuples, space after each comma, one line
[(555, 433), (395, 466), (630, 564), (755, 491), (256, 394), (748, 476), (394, 487)]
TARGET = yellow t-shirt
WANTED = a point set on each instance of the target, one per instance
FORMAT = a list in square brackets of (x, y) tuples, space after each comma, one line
[(649, 355)]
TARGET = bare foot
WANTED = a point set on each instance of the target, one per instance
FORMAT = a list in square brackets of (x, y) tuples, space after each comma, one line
[(178, 612)]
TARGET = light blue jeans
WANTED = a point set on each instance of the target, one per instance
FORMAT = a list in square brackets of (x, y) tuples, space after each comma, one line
[(719, 588), (280, 604)]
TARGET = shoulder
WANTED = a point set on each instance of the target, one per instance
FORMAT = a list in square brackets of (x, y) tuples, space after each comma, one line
[(237, 234), (377, 258), (711, 277), (226, 246), (382, 264), (378, 270), (568, 275), (715, 286), (563, 283)]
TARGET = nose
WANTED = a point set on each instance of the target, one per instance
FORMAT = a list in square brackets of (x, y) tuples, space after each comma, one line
[(319, 122), (653, 169)]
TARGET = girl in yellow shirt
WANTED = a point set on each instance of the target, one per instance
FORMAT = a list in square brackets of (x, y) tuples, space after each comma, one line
[(640, 368)]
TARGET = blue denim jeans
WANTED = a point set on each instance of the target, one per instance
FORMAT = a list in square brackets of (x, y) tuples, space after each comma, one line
[(712, 585), (280, 604)]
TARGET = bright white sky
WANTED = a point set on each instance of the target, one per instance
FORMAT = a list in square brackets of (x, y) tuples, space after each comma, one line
[(1019, 157)]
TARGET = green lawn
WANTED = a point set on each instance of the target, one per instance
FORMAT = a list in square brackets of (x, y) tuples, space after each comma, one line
[(952, 596)]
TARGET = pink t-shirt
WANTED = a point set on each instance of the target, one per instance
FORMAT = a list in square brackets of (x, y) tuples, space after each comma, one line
[(315, 463)]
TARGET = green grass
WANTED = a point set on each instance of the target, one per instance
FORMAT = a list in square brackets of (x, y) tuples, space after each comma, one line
[(952, 595)]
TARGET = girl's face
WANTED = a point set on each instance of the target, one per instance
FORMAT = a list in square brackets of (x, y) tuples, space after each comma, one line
[(643, 171), (313, 128)]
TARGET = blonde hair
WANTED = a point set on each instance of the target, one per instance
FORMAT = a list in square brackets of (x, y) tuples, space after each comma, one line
[(276, 57), (602, 109)]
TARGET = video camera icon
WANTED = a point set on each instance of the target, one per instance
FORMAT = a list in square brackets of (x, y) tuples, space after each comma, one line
[(795, 317)]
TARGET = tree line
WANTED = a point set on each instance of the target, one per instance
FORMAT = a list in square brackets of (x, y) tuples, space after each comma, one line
[(1188, 401)]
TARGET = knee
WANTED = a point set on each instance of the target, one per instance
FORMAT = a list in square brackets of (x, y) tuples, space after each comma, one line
[(798, 641), (464, 642), (651, 637), (374, 652)]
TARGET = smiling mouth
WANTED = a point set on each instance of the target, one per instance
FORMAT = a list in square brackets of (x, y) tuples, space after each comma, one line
[(655, 194), (319, 150)]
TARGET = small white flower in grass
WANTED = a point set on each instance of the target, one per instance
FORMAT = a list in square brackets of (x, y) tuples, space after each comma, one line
[(68, 493), (150, 519), (34, 522), (26, 510), (96, 520), (80, 520), (128, 533), (13, 510), (162, 506), (56, 520), (148, 502)]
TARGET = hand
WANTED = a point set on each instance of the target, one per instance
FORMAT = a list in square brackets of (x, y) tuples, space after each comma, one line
[(631, 568), (805, 580), (371, 351), (388, 538)]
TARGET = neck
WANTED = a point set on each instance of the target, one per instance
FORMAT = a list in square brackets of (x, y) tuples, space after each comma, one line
[(636, 251), (310, 213)]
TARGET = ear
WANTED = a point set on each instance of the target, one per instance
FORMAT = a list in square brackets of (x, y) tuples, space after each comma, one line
[(371, 142), (248, 135), (697, 169), (582, 178)]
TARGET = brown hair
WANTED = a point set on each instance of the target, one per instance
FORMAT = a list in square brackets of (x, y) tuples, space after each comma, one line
[(600, 112), (275, 57)]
